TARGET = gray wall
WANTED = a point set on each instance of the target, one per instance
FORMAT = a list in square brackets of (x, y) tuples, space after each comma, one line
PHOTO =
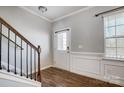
[(35, 29), (86, 30)]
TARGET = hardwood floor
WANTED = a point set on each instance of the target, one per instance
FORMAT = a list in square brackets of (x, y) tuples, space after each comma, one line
[(54, 77)]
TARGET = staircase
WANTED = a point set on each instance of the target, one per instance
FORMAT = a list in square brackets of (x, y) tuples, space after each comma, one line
[(17, 54)]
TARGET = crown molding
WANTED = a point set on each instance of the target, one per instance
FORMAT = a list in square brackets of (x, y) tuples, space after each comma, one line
[(73, 13), (29, 10), (59, 18)]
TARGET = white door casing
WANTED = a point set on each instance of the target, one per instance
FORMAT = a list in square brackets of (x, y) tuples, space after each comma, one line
[(62, 46)]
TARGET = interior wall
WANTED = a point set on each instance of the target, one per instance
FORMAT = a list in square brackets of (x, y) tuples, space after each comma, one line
[(87, 32), (34, 28)]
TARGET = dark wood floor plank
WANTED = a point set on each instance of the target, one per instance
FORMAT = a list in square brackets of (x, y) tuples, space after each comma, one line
[(54, 77)]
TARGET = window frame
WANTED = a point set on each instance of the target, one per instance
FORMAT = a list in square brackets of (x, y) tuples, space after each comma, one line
[(112, 37), (64, 49)]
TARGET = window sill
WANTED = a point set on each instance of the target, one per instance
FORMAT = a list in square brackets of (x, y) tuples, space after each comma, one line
[(113, 59)]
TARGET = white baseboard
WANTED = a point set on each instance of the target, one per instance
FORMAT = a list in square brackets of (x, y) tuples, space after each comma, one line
[(45, 67)]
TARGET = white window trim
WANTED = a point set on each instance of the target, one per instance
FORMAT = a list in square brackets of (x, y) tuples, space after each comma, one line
[(110, 58)]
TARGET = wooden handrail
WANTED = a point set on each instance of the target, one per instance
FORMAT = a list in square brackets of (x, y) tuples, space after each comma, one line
[(38, 49), (17, 33)]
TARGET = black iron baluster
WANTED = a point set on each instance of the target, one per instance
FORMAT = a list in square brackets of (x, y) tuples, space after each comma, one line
[(21, 58), (15, 54), (0, 43), (34, 64), (31, 62), (39, 73), (27, 60), (8, 48)]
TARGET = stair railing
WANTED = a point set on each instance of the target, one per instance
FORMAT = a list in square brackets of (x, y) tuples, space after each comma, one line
[(34, 71)]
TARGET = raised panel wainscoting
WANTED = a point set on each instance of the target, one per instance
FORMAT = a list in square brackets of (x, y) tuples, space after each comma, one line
[(95, 66), (113, 71)]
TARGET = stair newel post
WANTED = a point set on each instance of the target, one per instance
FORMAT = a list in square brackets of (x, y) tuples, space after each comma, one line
[(39, 74)]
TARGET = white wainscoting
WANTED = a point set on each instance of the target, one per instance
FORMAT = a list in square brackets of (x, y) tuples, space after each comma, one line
[(113, 71), (88, 64), (93, 65)]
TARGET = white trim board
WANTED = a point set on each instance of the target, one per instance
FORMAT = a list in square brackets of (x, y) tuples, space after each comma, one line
[(45, 18), (59, 18), (73, 13), (45, 67), (88, 53), (16, 78)]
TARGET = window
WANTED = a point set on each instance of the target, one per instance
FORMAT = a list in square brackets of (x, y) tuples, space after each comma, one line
[(114, 35), (61, 41)]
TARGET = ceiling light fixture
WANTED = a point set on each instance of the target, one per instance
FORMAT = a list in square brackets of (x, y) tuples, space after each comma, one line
[(42, 9)]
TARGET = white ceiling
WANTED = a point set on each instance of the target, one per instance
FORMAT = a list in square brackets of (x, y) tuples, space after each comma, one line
[(54, 12)]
